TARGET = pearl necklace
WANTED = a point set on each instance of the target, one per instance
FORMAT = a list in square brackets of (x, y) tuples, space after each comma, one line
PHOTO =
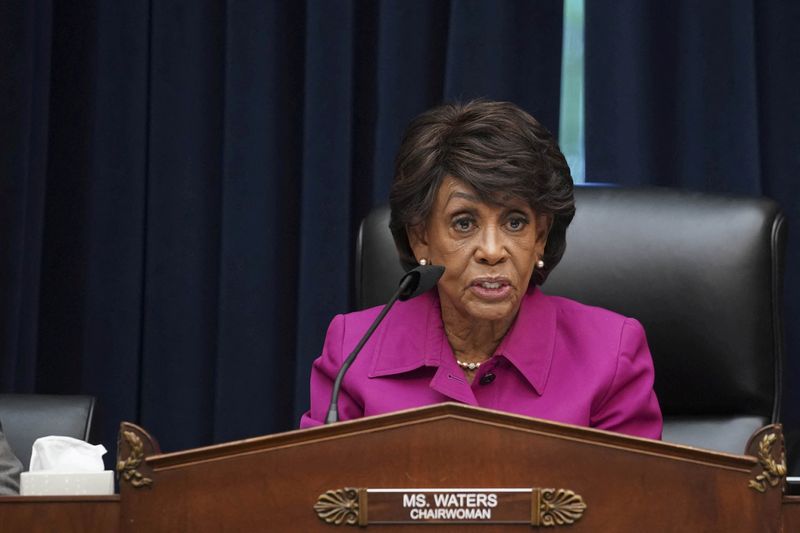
[(468, 366)]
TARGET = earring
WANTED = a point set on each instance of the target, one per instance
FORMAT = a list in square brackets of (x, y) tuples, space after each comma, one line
[(423, 261), (539, 264)]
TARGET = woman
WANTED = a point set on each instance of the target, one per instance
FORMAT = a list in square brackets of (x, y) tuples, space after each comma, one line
[(483, 190)]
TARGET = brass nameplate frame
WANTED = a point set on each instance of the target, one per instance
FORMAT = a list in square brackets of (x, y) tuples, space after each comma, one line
[(534, 506)]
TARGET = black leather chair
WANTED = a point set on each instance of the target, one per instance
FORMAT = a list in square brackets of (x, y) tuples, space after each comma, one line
[(703, 273), (26, 417)]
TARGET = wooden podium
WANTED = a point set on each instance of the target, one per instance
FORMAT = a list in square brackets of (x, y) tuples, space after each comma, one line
[(447, 467)]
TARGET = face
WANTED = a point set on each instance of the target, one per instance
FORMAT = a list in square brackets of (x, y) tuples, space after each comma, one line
[(488, 251)]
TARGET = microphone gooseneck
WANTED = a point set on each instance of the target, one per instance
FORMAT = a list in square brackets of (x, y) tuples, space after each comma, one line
[(415, 282)]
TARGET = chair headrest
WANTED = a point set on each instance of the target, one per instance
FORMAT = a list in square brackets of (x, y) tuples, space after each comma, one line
[(703, 273)]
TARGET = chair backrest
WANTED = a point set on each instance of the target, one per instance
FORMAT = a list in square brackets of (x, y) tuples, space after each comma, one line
[(26, 417), (702, 272)]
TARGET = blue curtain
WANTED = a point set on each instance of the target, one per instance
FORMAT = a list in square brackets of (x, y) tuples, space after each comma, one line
[(181, 182), (705, 96)]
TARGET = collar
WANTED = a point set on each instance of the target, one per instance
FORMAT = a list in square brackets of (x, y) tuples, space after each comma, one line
[(413, 336)]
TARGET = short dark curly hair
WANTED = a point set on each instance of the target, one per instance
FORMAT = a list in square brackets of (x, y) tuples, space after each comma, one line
[(490, 146)]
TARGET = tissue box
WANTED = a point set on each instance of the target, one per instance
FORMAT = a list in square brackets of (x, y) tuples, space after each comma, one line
[(66, 483)]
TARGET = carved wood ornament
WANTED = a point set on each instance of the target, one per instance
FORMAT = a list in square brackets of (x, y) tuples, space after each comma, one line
[(767, 444), (133, 443)]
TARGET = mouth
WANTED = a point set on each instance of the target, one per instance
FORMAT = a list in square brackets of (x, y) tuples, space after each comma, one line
[(491, 288)]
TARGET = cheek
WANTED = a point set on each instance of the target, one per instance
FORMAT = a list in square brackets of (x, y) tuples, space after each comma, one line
[(455, 259), (455, 263), (452, 252), (524, 258)]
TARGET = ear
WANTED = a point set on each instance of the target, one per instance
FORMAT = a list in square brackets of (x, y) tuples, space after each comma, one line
[(418, 239), (543, 224)]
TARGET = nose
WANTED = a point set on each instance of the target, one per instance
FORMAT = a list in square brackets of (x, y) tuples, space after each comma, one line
[(491, 247)]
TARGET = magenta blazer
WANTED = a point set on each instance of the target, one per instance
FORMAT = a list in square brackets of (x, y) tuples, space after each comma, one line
[(560, 360)]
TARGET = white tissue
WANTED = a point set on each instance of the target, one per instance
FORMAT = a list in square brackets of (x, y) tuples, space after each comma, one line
[(65, 454)]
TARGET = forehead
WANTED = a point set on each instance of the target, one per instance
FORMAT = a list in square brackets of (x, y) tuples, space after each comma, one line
[(453, 189)]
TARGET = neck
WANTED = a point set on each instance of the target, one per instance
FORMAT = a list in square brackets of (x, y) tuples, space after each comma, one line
[(473, 340)]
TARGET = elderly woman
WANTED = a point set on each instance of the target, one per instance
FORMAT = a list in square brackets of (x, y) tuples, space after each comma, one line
[(483, 190)]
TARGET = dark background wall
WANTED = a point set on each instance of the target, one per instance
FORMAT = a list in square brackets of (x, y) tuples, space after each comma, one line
[(180, 182)]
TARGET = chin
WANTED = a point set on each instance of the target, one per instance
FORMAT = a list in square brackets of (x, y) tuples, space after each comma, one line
[(492, 312)]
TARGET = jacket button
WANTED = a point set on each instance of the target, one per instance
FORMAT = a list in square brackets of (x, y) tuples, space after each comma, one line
[(488, 378)]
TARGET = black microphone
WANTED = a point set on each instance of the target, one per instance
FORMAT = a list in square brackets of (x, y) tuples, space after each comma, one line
[(415, 282)]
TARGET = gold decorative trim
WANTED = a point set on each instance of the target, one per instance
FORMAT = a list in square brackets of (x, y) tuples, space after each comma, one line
[(338, 506), (548, 507), (558, 507), (127, 468), (774, 467)]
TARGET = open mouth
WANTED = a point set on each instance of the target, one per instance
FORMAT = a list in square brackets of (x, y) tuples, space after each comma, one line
[(491, 288)]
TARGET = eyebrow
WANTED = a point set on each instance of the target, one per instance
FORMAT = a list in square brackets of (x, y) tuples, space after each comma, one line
[(464, 195), (472, 198)]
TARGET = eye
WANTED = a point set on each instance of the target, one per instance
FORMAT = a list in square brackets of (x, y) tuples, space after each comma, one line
[(516, 223), (463, 224)]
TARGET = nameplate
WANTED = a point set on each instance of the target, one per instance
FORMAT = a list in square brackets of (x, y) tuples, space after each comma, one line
[(534, 506)]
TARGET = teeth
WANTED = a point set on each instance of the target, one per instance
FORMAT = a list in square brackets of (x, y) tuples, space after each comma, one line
[(490, 285)]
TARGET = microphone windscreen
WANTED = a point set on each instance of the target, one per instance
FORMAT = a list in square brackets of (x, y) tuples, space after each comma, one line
[(418, 280)]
